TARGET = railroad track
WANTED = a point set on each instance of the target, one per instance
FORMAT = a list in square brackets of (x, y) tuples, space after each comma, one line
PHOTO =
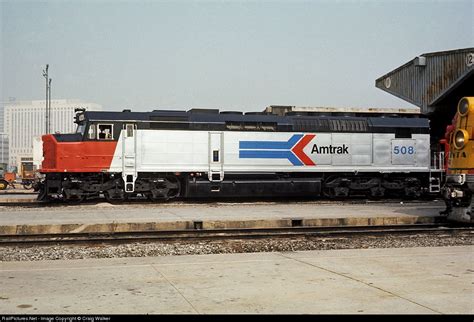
[(243, 233)]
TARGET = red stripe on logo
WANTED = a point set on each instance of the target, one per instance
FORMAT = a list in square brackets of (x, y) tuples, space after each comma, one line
[(298, 149)]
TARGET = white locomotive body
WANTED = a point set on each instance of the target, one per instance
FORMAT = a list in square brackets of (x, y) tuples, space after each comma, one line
[(164, 154)]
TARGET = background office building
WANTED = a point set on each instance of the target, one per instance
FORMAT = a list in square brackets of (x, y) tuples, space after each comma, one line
[(24, 120), (3, 142), (1, 117), (3, 151)]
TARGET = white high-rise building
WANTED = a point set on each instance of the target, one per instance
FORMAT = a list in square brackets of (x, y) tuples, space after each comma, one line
[(3, 142), (1, 117), (24, 120), (3, 149)]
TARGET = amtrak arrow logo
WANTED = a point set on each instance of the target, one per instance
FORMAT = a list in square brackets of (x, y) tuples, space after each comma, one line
[(291, 149)]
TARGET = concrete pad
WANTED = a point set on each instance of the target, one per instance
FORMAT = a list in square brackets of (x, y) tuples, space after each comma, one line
[(105, 290), (105, 217), (416, 275), (105, 212), (277, 286), (408, 280), (9, 230), (24, 198), (18, 190)]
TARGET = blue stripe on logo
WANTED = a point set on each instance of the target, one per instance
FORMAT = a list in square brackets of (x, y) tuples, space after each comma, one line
[(256, 154), (271, 145)]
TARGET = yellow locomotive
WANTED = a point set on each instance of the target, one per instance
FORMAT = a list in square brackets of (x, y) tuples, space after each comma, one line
[(459, 187)]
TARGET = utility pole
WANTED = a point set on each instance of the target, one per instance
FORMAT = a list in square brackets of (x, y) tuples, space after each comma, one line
[(49, 107), (45, 75)]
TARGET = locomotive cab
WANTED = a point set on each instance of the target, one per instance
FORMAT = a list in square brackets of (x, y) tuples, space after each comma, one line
[(80, 120), (74, 164)]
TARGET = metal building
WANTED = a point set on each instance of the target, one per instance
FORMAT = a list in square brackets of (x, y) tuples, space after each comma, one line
[(435, 82)]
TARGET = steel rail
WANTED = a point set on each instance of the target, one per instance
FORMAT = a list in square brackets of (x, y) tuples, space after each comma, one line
[(242, 233)]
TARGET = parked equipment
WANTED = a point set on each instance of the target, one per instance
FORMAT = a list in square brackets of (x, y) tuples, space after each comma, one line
[(459, 187), (8, 179), (27, 173)]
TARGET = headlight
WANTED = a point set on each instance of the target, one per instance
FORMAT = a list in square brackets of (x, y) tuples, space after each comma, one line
[(460, 139), (463, 106)]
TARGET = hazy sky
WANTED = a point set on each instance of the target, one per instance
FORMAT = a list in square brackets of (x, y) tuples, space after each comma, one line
[(231, 55)]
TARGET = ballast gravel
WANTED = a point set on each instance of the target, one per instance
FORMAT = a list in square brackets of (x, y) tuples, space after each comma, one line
[(170, 248)]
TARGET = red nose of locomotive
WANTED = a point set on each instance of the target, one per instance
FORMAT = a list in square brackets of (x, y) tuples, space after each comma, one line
[(49, 153), (64, 153)]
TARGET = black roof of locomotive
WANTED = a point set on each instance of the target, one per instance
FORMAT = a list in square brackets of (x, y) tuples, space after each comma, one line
[(214, 116), (189, 116), (212, 120)]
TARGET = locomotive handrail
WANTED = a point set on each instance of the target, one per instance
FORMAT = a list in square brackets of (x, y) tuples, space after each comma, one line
[(437, 160)]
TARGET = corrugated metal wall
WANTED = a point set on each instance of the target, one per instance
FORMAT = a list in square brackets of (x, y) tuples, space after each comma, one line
[(421, 85)]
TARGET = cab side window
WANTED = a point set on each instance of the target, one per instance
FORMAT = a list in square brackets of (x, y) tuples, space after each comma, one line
[(129, 128), (105, 132), (92, 132)]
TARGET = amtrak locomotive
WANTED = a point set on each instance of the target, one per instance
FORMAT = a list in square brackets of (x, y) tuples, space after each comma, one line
[(206, 153)]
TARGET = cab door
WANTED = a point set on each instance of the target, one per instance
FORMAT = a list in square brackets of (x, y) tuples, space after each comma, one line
[(129, 170), (216, 172)]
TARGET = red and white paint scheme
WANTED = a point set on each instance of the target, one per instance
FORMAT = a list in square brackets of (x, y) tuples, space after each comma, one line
[(188, 151)]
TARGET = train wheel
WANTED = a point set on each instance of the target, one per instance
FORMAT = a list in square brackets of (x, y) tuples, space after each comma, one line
[(3, 184), (155, 195), (338, 193), (72, 197), (174, 187), (28, 185), (329, 184), (329, 193), (336, 187), (412, 188), (169, 189), (75, 200), (115, 196), (376, 193), (42, 195)]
